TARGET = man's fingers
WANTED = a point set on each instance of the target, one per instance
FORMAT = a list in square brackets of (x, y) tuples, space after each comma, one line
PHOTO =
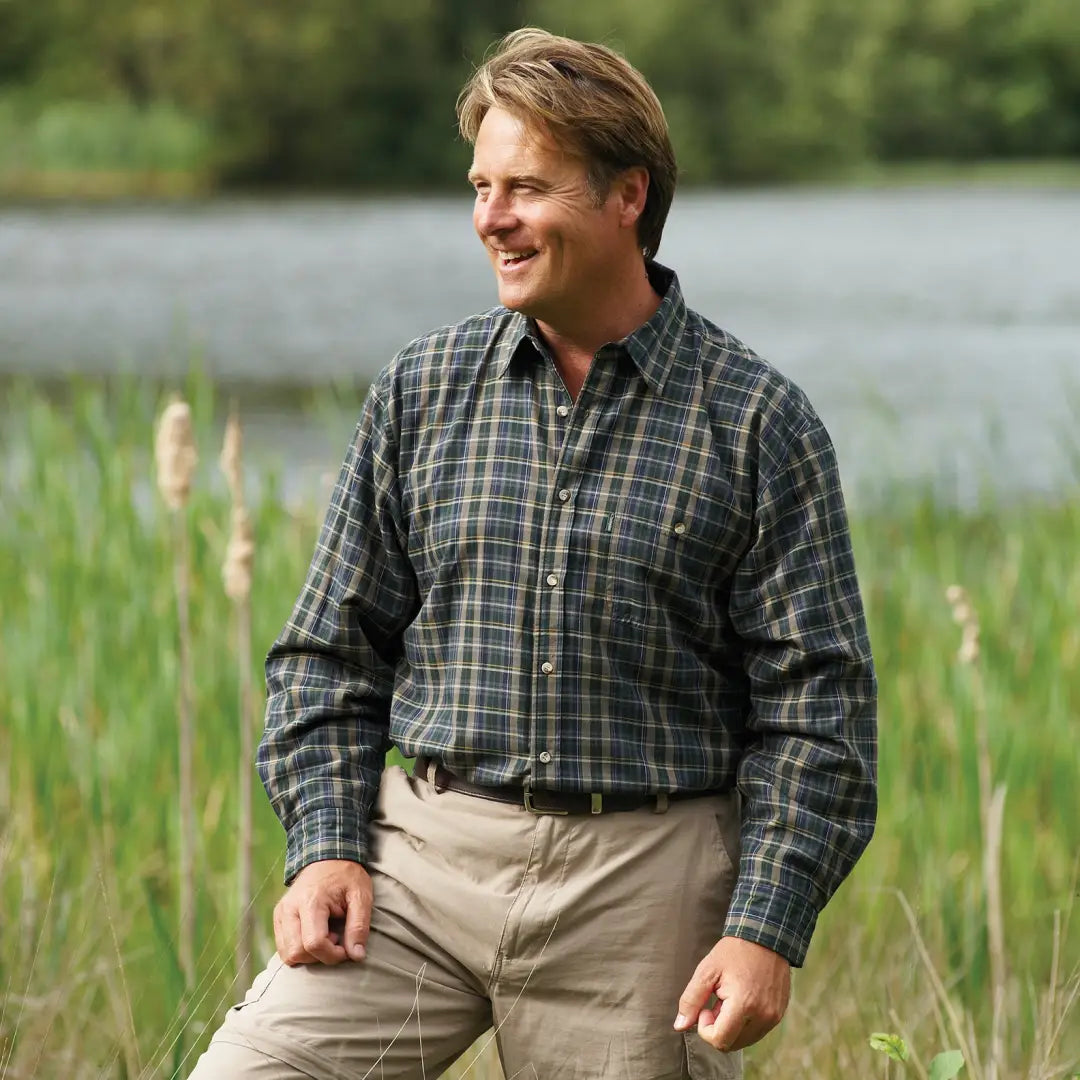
[(698, 991), (724, 1027), (287, 937), (325, 914), (752, 984), (357, 923), (315, 933)]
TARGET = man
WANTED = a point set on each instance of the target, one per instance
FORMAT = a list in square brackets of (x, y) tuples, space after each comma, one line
[(588, 561)]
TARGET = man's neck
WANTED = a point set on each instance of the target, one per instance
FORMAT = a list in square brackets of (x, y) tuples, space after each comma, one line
[(574, 347)]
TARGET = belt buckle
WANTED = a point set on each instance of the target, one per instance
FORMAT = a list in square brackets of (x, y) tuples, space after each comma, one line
[(534, 809)]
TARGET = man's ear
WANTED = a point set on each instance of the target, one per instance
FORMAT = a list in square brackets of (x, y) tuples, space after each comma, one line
[(632, 188)]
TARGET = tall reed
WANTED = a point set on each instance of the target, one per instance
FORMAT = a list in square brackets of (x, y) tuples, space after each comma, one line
[(991, 817), (176, 458), (236, 575)]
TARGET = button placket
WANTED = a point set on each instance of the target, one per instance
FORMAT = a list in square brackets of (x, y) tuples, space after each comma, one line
[(549, 622)]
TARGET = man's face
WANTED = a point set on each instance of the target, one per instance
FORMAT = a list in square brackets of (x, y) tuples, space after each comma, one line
[(553, 249)]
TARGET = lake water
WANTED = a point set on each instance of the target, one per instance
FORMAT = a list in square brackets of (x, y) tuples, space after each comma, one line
[(936, 329)]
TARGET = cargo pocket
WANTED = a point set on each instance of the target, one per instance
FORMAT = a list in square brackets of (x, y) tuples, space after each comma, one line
[(261, 984), (705, 1063)]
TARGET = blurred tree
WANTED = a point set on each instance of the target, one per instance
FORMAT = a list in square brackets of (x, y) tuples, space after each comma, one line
[(361, 92), (977, 78), (752, 90)]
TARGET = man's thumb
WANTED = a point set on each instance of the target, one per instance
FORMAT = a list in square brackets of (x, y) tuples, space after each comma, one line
[(695, 995)]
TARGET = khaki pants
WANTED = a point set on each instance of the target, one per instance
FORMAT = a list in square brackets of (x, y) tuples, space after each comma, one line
[(573, 936)]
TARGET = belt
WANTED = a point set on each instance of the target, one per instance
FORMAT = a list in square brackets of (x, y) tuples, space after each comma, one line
[(549, 802)]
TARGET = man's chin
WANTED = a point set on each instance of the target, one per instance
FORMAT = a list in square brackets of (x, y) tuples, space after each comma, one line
[(516, 300)]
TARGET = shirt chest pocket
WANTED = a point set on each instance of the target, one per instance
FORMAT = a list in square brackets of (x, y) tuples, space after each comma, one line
[(667, 556)]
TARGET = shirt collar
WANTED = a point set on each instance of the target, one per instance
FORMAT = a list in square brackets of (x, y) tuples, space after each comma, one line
[(653, 347), (518, 330)]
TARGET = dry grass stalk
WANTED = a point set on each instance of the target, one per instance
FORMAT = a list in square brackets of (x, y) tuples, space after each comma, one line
[(945, 1009), (116, 982), (176, 457), (1060, 1002), (236, 575), (991, 814)]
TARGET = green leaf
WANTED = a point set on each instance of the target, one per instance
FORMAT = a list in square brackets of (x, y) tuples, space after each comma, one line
[(891, 1045), (946, 1065)]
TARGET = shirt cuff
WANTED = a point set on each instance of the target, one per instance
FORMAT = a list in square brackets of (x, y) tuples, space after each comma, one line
[(325, 834), (777, 918)]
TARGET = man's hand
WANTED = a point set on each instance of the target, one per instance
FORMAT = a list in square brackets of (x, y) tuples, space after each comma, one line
[(752, 985), (308, 918)]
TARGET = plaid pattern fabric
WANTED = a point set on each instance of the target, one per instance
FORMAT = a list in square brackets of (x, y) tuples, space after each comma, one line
[(649, 589)]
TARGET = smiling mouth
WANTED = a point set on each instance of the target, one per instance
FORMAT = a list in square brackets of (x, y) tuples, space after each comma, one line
[(514, 258)]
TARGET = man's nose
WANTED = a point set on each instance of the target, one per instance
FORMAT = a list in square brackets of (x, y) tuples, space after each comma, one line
[(494, 214)]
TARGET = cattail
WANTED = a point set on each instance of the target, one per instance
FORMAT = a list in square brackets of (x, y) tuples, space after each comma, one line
[(230, 459), (176, 457), (236, 575), (175, 454), (239, 556), (964, 616)]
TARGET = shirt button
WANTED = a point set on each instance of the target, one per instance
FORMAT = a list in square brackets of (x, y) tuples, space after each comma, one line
[(564, 495), (563, 411), (547, 668), (545, 758), (552, 579), (680, 529)]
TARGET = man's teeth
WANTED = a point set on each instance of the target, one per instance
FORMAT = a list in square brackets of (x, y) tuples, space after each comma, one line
[(513, 256)]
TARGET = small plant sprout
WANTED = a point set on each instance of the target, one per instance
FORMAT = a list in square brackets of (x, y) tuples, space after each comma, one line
[(943, 1067)]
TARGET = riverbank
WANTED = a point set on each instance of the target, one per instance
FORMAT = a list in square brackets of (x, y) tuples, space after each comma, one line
[(90, 972)]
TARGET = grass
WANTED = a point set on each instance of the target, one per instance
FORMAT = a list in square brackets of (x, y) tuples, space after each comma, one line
[(90, 976)]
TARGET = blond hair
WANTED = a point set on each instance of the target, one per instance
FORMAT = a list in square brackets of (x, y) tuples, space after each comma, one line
[(592, 101)]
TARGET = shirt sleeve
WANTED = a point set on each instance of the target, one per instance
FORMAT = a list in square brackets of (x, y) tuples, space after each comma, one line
[(330, 673), (808, 774)]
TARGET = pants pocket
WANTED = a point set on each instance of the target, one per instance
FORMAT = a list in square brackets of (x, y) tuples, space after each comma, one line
[(705, 1063), (262, 983)]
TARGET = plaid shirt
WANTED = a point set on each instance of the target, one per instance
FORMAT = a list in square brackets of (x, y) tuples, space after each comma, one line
[(650, 589)]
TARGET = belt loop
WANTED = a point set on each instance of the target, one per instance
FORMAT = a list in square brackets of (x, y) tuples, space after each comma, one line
[(661, 803), (438, 784), (596, 802)]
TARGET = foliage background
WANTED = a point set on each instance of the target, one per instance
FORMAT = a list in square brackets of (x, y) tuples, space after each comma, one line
[(359, 93)]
